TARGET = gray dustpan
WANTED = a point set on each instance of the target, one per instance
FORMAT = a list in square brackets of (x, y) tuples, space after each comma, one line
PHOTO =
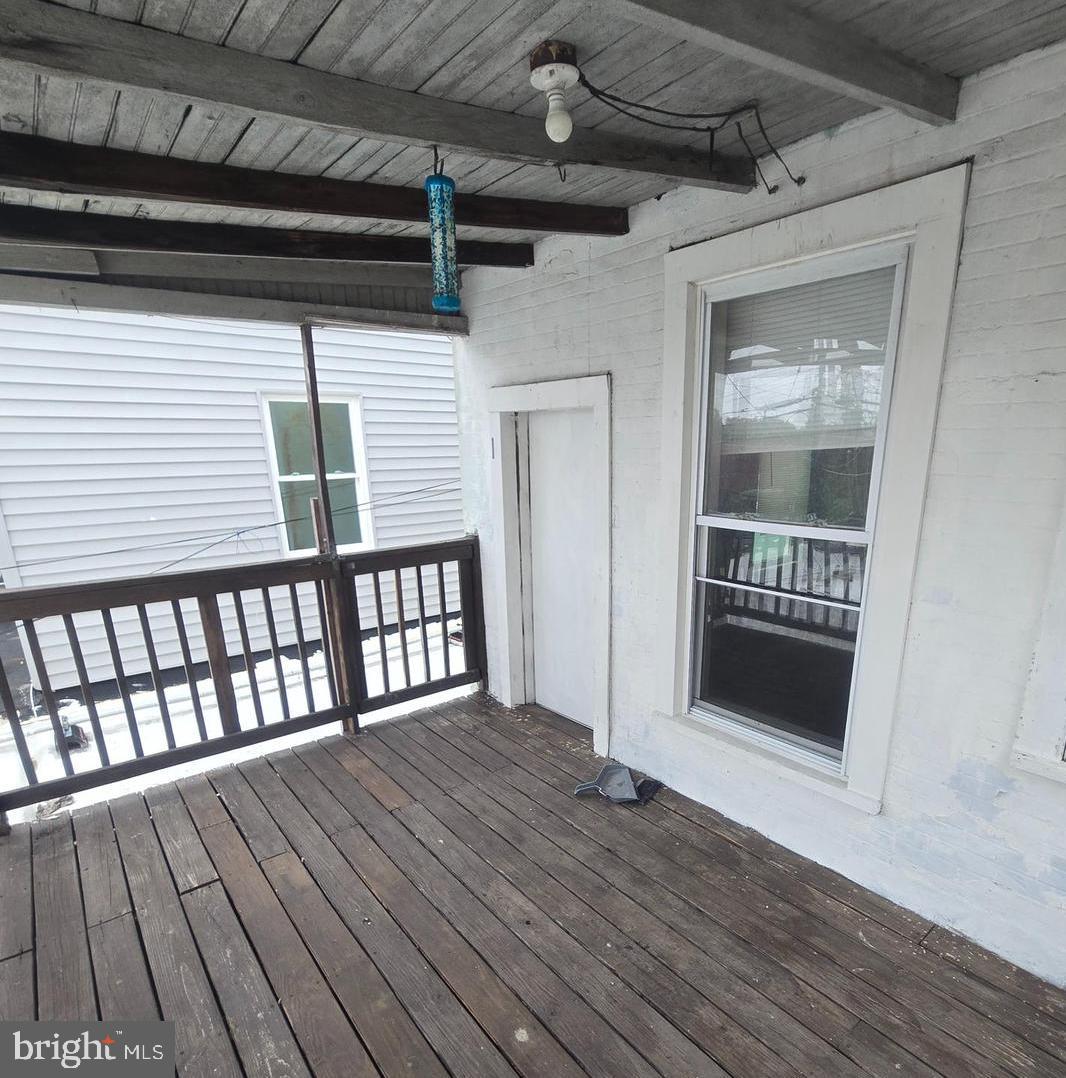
[(614, 781)]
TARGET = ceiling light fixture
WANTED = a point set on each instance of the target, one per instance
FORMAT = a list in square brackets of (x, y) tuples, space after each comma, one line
[(553, 70)]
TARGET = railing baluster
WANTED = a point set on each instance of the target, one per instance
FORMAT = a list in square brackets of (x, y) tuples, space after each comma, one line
[(157, 677), (357, 654), (422, 621), (442, 602), (338, 609), (249, 657), (190, 674), (401, 619), (467, 608), (86, 690), (301, 647), (7, 699), (218, 660), (120, 680), (323, 632), (381, 633), (275, 653), (49, 696)]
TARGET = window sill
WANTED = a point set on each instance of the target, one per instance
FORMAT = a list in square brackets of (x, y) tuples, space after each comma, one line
[(783, 761), (1046, 767)]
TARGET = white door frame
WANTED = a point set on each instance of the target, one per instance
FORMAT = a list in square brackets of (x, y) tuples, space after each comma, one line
[(509, 407)]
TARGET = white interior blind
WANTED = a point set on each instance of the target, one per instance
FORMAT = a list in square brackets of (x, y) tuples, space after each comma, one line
[(801, 368)]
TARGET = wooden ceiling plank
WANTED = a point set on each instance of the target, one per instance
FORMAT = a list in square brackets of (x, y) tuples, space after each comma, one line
[(49, 39), (779, 37), (68, 168), (101, 232)]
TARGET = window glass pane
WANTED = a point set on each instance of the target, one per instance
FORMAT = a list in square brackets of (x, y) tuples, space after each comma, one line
[(794, 396), (296, 498), (784, 563), (337, 437), (763, 652), (292, 437)]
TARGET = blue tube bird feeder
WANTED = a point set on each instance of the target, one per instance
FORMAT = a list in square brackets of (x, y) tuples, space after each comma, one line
[(440, 191)]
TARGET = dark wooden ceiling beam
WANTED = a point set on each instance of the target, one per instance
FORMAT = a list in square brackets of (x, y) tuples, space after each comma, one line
[(774, 35), (107, 232), (39, 164), (51, 39)]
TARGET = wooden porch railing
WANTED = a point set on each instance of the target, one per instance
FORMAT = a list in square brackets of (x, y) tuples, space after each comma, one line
[(338, 640)]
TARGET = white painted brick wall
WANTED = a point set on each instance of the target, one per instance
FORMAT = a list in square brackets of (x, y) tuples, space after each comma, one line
[(963, 838)]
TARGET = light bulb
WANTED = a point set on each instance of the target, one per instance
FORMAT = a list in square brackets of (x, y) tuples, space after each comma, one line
[(557, 122)]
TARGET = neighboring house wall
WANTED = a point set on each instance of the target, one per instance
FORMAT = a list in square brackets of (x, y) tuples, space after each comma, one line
[(965, 836), (122, 431)]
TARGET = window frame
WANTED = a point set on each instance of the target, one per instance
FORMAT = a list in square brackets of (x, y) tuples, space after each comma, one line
[(894, 255), (926, 215), (361, 477)]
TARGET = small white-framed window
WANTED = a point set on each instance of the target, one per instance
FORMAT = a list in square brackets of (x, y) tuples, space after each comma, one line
[(795, 382), (288, 431)]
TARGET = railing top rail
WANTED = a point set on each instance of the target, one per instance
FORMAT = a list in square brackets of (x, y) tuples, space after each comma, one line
[(52, 600), (380, 561)]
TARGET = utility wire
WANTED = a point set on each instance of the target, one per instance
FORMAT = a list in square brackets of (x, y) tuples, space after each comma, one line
[(290, 520), (388, 499), (713, 123)]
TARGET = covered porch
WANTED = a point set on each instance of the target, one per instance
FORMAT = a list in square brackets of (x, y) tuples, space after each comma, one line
[(427, 898)]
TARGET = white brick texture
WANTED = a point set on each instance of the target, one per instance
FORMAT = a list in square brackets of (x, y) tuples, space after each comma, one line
[(963, 838)]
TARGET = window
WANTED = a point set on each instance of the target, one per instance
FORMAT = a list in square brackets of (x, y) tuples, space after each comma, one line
[(795, 385), (292, 458)]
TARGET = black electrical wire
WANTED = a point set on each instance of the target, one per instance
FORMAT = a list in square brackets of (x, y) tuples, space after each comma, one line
[(720, 120)]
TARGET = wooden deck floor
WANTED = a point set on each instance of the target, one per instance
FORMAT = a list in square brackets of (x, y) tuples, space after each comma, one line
[(428, 899)]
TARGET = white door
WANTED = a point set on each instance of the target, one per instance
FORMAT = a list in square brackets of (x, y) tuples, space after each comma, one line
[(563, 527)]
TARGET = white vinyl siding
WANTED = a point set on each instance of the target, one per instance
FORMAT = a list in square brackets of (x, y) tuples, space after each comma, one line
[(123, 431)]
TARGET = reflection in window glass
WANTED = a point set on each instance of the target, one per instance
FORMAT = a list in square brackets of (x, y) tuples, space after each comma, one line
[(795, 394), (291, 430)]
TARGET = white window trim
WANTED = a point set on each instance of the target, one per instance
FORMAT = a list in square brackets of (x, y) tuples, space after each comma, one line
[(925, 215), (1040, 743), (362, 478)]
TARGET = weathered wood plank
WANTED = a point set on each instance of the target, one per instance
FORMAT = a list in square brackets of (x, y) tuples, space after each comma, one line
[(395, 1042), (262, 834), (122, 979), (16, 987), (185, 853), (331, 1047), (997, 971), (16, 892), (495, 1005), (693, 879), (803, 46), (747, 1029), (84, 47), (203, 803), (369, 775), (446, 1025), (185, 994), (553, 998), (107, 232), (64, 972), (431, 767), (103, 881), (836, 929), (263, 1038), (47, 165)]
